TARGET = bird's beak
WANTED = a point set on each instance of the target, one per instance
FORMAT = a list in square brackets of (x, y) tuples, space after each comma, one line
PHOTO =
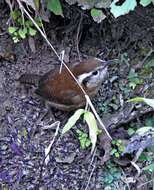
[(108, 62)]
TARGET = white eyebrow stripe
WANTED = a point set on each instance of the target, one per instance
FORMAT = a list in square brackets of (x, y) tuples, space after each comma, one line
[(83, 76)]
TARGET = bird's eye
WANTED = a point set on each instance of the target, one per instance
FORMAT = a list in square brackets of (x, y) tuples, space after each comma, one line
[(95, 73)]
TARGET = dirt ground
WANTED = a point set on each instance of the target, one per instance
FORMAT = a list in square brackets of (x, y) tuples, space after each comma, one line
[(22, 138)]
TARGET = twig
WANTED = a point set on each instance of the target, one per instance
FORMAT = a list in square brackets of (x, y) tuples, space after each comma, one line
[(92, 171), (91, 163), (62, 60), (138, 66), (137, 168), (50, 126), (139, 186), (77, 37), (23, 19), (148, 54), (1, 34), (47, 153), (48, 149), (124, 179), (10, 4)]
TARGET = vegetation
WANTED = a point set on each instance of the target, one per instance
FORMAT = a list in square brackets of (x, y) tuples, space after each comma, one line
[(138, 145), (23, 28)]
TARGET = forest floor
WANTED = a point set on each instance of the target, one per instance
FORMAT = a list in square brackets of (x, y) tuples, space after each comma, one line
[(23, 139)]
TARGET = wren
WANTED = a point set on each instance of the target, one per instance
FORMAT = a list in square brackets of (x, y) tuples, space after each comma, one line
[(61, 90)]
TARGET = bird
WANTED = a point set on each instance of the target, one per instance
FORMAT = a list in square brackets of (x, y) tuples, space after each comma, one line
[(61, 91)]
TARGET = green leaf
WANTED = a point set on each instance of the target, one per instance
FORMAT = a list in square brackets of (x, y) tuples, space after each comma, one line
[(149, 168), (150, 63), (20, 21), (121, 148), (95, 12), (145, 157), (28, 23), (148, 101), (130, 131), (16, 33), (97, 15), (84, 139), (55, 7), (22, 33), (145, 3), (87, 143), (119, 141), (93, 129), (117, 155), (72, 120), (113, 142), (118, 10), (113, 151), (32, 31), (15, 14), (12, 29)]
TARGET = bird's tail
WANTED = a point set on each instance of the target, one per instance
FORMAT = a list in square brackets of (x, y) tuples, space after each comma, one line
[(31, 79)]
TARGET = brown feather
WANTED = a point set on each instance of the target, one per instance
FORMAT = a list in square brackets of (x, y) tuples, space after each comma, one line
[(61, 90)]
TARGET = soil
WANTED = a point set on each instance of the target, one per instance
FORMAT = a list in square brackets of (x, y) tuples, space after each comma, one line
[(23, 140)]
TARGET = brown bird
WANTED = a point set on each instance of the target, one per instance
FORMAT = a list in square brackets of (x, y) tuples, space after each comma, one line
[(61, 90)]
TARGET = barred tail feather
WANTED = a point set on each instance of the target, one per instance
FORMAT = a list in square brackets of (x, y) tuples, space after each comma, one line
[(31, 79)]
